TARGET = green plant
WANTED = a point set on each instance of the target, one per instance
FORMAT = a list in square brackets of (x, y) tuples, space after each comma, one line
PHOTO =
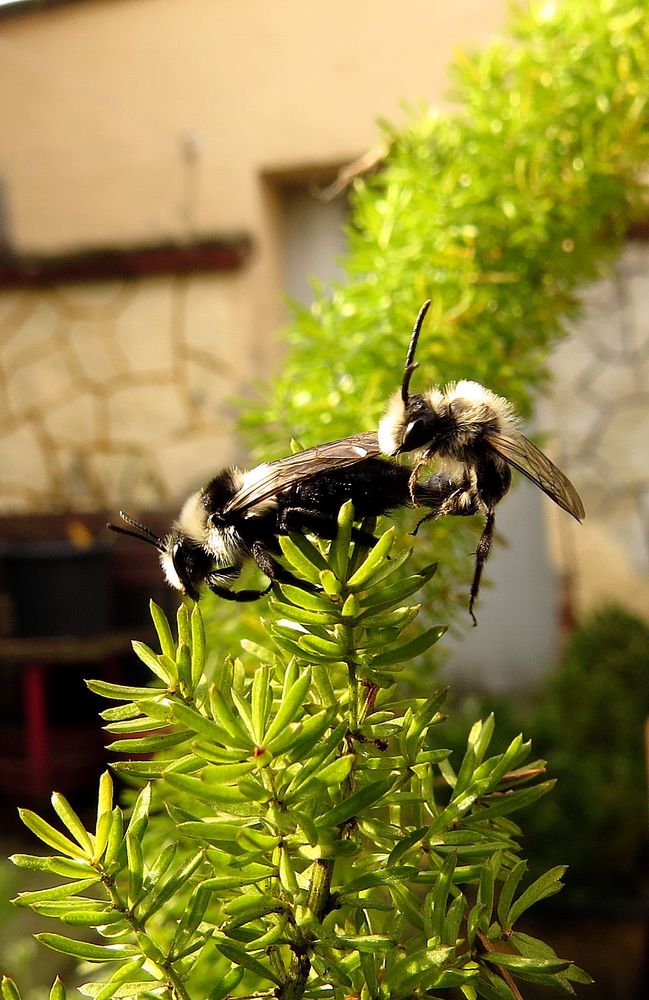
[(300, 830)]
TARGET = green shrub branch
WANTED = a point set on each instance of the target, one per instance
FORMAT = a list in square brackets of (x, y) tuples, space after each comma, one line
[(299, 829)]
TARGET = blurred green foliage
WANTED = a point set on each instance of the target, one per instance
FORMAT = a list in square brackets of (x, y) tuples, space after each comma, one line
[(588, 720), (590, 723)]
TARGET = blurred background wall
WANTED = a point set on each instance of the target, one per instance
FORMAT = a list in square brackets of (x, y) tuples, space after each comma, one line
[(137, 131), (159, 176)]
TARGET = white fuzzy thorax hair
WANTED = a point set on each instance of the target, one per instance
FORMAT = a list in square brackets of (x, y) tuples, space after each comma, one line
[(225, 545), (488, 405), (170, 574), (482, 405), (192, 520), (392, 425)]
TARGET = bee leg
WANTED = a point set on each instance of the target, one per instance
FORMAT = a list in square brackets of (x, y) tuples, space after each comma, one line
[(482, 554), (412, 483), (237, 595), (276, 572), (428, 517), (461, 500)]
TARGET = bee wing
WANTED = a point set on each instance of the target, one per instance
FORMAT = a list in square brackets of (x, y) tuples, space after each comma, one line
[(519, 452), (271, 478)]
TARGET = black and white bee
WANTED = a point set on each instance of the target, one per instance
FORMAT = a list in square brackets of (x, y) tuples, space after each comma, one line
[(474, 436), (238, 515)]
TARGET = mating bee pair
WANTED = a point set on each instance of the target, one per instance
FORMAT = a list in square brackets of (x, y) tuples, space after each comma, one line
[(471, 433)]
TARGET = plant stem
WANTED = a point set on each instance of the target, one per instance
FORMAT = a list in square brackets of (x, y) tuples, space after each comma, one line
[(323, 868), (352, 686), (180, 993), (321, 886)]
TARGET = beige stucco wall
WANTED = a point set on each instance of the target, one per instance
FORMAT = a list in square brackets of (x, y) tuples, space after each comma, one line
[(132, 119)]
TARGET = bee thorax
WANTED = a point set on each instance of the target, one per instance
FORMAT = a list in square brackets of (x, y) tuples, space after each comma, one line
[(472, 403), (226, 546), (192, 520)]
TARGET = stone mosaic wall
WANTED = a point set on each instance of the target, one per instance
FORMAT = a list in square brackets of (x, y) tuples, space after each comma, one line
[(600, 409), (116, 392)]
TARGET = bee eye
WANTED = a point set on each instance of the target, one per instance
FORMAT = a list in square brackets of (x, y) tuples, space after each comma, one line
[(416, 434), (183, 565), (178, 560)]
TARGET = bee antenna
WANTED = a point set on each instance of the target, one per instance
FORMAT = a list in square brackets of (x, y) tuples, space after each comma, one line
[(411, 364), (140, 531)]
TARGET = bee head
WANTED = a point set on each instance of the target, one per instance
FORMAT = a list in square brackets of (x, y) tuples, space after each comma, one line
[(185, 564), (406, 427), (419, 425)]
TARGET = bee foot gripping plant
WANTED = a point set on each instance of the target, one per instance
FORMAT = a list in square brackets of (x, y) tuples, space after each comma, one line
[(297, 828)]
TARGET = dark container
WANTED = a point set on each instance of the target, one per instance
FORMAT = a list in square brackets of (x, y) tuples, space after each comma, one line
[(58, 589)]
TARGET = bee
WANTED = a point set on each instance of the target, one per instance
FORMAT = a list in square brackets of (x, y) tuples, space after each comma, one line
[(239, 515), (475, 437)]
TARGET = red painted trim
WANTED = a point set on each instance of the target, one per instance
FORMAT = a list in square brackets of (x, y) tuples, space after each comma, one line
[(639, 230), (94, 265), (35, 703)]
